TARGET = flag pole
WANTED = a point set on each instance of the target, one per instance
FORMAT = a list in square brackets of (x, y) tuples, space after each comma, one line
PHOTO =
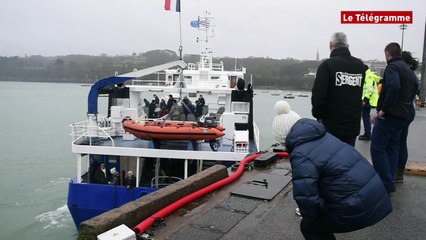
[(180, 33)]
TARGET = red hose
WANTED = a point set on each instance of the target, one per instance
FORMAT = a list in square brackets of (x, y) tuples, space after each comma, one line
[(144, 225)]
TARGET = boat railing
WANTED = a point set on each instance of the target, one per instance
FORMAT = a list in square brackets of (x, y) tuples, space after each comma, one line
[(192, 66), (78, 130), (149, 82), (212, 83), (163, 181), (214, 66), (81, 131), (217, 67)]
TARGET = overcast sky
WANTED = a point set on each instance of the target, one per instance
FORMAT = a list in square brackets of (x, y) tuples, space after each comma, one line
[(243, 28)]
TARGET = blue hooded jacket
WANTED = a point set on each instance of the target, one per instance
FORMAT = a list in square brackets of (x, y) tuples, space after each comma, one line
[(332, 179)]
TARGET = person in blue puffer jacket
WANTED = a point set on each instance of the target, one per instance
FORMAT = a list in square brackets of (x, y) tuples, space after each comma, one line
[(336, 188)]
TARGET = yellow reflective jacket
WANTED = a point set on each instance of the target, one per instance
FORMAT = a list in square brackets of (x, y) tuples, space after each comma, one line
[(370, 92)]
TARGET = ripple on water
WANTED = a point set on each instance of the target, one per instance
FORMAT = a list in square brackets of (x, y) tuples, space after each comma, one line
[(55, 218)]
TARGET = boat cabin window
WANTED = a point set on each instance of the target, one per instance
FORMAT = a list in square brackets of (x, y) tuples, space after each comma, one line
[(205, 62), (125, 102), (221, 100), (169, 80), (175, 77), (233, 81), (187, 80), (241, 107)]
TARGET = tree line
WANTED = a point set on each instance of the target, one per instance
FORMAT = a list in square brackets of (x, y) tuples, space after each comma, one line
[(265, 72)]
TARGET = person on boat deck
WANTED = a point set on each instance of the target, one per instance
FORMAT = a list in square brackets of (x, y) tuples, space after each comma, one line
[(92, 171), (102, 175), (187, 107), (199, 106), (115, 176), (163, 107), (336, 189), (201, 100), (198, 109), (146, 102), (151, 109), (170, 103), (156, 99), (130, 180)]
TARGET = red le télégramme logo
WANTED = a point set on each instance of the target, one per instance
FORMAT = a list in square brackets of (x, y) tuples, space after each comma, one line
[(376, 17)]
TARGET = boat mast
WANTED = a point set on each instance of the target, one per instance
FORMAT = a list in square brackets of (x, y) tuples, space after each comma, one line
[(180, 70), (180, 36), (206, 27)]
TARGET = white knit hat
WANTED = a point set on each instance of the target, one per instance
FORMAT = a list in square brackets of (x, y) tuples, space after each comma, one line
[(284, 120), (112, 170)]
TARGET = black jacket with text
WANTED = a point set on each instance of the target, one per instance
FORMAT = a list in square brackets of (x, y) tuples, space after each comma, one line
[(337, 91)]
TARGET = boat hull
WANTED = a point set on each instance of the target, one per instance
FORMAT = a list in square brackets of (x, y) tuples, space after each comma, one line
[(86, 201)]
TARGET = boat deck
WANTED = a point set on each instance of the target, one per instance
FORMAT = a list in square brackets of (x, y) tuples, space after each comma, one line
[(168, 149)]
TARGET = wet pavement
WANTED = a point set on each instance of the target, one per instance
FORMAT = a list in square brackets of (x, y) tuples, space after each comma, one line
[(225, 216)]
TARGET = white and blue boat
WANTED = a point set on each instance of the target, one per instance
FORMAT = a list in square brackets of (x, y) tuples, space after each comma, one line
[(158, 162)]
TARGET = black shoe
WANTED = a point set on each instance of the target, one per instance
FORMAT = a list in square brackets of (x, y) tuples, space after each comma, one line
[(364, 137), (399, 178), (391, 190)]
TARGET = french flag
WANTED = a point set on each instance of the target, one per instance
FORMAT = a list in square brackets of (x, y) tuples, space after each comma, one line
[(172, 5)]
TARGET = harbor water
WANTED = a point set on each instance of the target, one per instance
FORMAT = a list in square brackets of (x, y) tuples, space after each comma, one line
[(36, 158)]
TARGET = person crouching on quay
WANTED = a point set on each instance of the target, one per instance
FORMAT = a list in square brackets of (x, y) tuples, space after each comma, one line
[(336, 189)]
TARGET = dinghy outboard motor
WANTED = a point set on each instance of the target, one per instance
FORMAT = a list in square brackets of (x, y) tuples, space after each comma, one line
[(210, 122)]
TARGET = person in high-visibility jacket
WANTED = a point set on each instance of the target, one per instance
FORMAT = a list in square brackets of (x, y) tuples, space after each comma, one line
[(369, 99)]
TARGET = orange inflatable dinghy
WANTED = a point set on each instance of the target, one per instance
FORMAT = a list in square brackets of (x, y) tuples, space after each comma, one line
[(172, 130)]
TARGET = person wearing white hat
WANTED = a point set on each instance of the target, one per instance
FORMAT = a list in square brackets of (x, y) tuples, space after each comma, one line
[(115, 176), (284, 120), (130, 181)]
